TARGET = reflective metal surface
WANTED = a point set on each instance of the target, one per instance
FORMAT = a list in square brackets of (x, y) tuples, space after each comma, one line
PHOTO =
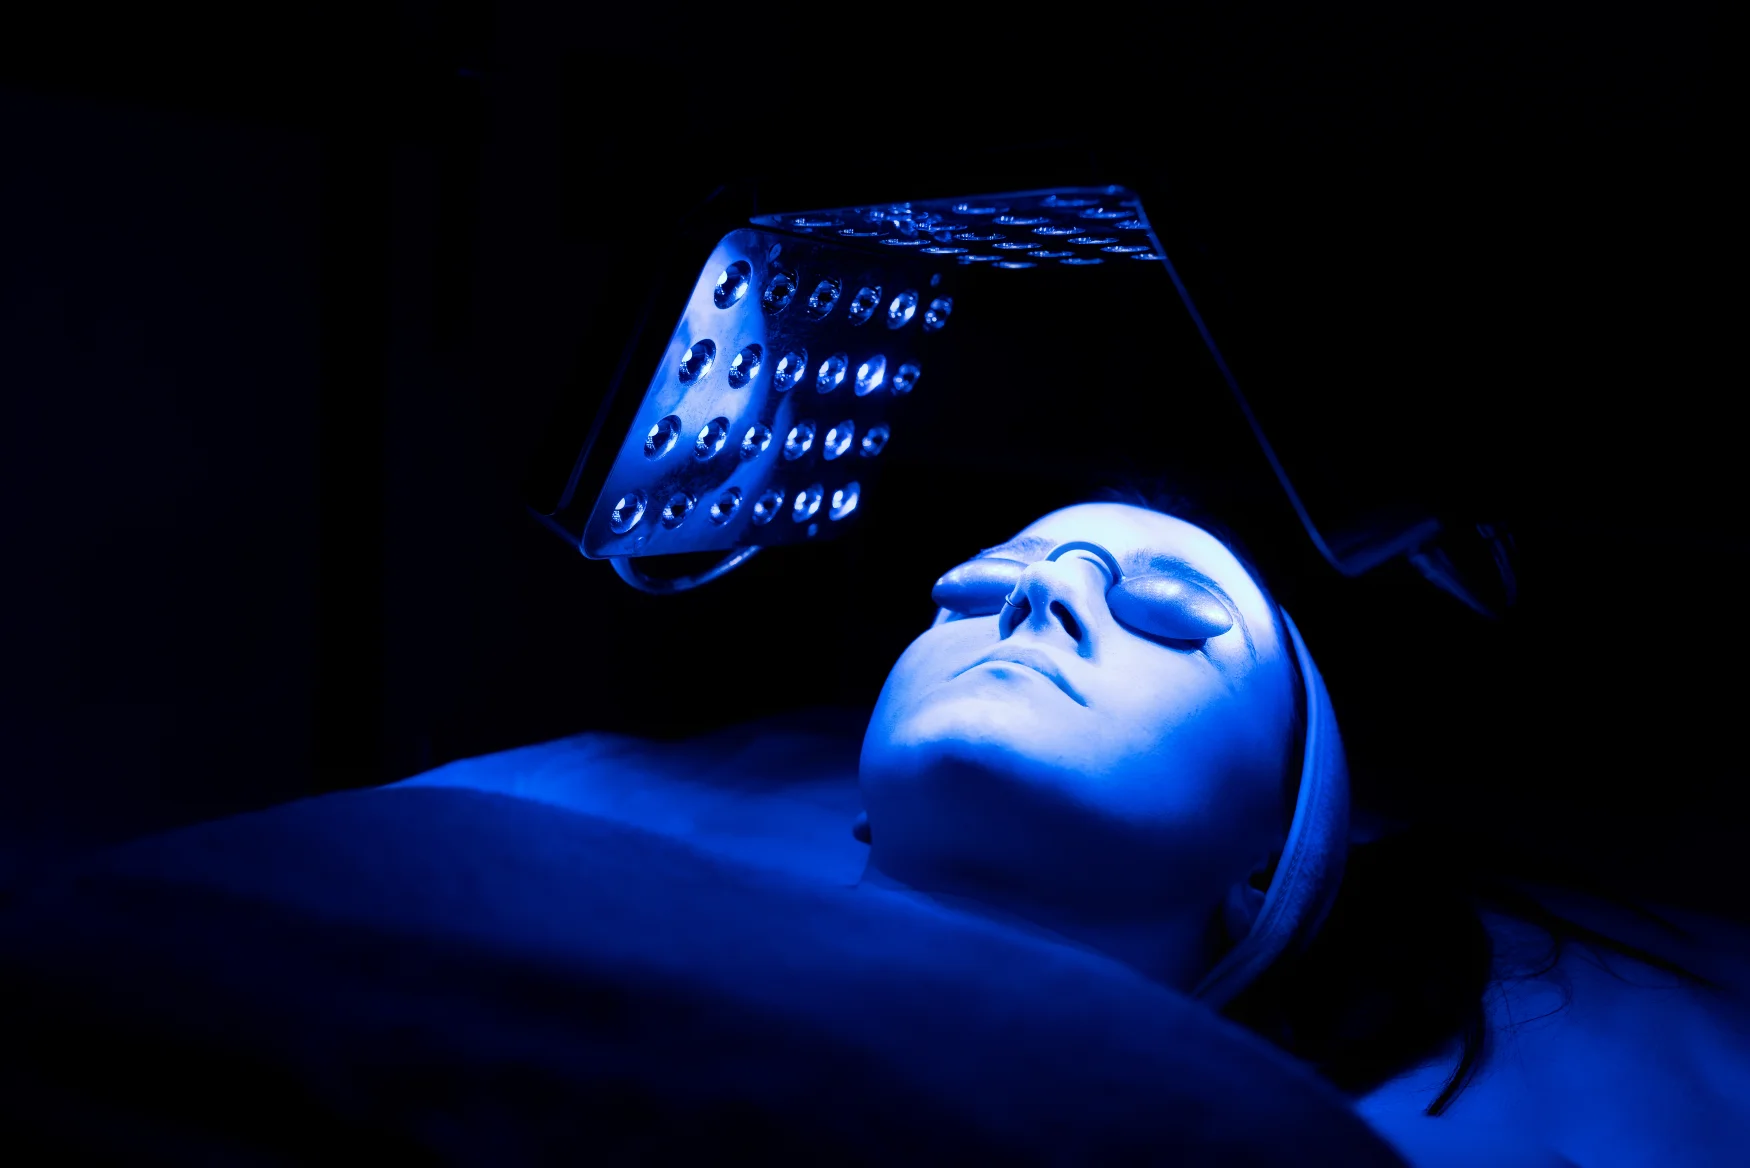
[(908, 266)]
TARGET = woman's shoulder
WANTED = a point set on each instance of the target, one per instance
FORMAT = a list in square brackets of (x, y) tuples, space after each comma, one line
[(1599, 1059)]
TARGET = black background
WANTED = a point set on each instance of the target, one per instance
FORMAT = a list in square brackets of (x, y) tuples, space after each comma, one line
[(288, 298)]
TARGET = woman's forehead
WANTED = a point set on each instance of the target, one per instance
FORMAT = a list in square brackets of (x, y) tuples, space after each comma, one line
[(1124, 528), (1127, 530)]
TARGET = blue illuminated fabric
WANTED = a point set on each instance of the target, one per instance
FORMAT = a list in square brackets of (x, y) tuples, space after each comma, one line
[(601, 953), (1310, 869)]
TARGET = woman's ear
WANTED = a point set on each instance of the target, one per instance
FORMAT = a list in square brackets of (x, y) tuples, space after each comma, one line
[(1245, 900)]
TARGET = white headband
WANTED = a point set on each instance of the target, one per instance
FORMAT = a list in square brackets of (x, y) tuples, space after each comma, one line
[(1306, 878)]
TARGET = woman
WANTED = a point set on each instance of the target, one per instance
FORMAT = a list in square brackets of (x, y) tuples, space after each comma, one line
[(1113, 735), (1110, 742), (1101, 735)]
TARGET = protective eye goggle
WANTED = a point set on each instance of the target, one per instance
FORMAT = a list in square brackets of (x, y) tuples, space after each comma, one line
[(1156, 604)]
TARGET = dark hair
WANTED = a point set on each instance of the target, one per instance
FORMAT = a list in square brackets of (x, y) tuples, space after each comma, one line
[(1403, 961)]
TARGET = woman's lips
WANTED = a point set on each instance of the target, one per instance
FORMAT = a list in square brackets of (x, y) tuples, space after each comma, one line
[(1037, 660)]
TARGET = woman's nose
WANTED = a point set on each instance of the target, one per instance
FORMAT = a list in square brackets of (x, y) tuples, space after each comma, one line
[(1058, 599)]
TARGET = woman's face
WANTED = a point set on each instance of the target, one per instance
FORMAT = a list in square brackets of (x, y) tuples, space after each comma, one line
[(1051, 750)]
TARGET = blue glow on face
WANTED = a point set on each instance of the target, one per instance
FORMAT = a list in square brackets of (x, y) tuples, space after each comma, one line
[(1178, 604), (1060, 753)]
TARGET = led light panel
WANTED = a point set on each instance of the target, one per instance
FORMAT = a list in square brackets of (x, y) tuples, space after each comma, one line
[(805, 339)]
